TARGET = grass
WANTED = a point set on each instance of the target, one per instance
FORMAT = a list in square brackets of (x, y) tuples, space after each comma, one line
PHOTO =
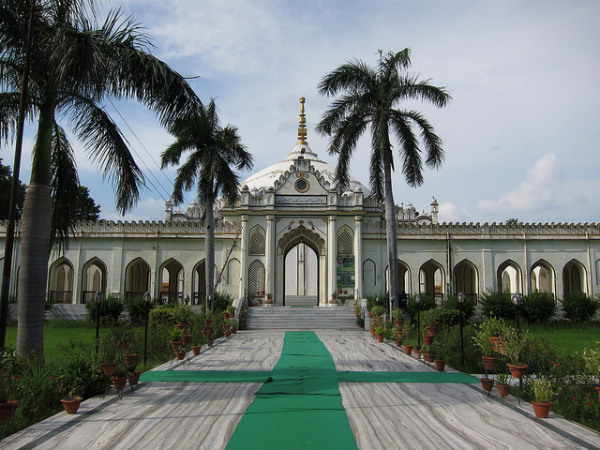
[(566, 337)]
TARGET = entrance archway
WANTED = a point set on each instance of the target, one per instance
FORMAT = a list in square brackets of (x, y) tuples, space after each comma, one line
[(301, 275), (301, 242)]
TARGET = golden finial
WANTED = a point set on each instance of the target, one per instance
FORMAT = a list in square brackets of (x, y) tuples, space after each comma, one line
[(302, 126)]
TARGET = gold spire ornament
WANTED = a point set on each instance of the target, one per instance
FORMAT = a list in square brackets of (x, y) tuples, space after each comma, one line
[(302, 126)]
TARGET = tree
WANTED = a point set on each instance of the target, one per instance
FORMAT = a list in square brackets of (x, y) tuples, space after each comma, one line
[(213, 151), (5, 187), (75, 64), (87, 210), (369, 97)]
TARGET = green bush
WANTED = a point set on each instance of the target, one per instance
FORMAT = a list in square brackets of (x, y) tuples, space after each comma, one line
[(163, 315), (468, 307), (427, 302), (137, 309), (110, 310), (495, 304), (538, 307), (579, 307)]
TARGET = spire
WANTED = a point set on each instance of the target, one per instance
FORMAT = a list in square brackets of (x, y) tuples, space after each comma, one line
[(302, 126)]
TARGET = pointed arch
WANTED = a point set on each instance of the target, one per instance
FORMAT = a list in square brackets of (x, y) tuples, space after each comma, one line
[(199, 282), (345, 241), (432, 280), (256, 244), (543, 278), (369, 275), (510, 278), (466, 280), (137, 279), (256, 279), (233, 274), (574, 278), (61, 281), (93, 278), (172, 277)]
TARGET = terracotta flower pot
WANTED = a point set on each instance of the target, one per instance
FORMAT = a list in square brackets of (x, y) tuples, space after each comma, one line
[(208, 324), (130, 360), (433, 331), (408, 349), (494, 341), (487, 384), (517, 371), (206, 333), (196, 349), (440, 364), (186, 339), (380, 338), (134, 378), (175, 345), (503, 389), (417, 354), (108, 368), (180, 355), (398, 342), (119, 383), (427, 339), (541, 410), (429, 357), (7, 410), (71, 405), (489, 362), (210, 342)]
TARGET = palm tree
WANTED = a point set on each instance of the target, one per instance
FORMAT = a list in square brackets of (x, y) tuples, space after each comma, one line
[(213, 150), (371, 97), (75, 64)]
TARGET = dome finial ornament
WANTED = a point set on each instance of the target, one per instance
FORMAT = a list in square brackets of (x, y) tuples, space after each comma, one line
[(302, 127)]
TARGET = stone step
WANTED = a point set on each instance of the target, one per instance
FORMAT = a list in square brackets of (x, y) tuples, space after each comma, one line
[(305, 318)]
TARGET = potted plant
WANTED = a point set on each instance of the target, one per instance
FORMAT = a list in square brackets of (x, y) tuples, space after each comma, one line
[(487, 383), (430, 318), (234, 325), (176, 338), (269, 298), (515, 345), (543, 393), (502, 383), (378, 311), (482, 341), (398, 315), (333, 299), (379, 332)]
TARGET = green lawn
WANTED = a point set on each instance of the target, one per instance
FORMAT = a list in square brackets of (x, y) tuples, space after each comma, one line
[(55, 335), (567, 338)]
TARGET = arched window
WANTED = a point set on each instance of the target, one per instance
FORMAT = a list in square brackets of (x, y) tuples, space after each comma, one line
[(256, 279), (93, 279), (257, 241), (509, 278), (369, 274), (61, 281), (542, 278), (171, 283), (345, 242), (465, 280), (137, 279), (431, 280), (574, 278)]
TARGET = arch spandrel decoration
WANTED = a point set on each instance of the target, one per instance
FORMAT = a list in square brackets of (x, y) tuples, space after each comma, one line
[(301, 234)]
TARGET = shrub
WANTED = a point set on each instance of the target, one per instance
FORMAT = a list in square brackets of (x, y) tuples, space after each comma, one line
[(579, 307), (538, 307), (453, 303), (221, 301), (137, 309), (163, 315), (427, 302), (496, 304), (110, 309)]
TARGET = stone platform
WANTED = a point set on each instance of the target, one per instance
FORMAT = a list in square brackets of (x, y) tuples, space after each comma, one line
[(415, 415)]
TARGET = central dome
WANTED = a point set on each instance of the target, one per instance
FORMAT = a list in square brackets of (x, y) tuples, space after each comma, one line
[(266, 178)]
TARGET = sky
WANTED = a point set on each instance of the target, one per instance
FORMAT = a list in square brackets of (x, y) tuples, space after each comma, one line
[(520, 135)]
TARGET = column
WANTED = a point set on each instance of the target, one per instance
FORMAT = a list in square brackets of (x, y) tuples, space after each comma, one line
[(358, 266), (270, 252), (244, 258), (331, 257)]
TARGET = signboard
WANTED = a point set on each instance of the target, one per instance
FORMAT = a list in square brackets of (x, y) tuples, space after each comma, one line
[(345, 276)]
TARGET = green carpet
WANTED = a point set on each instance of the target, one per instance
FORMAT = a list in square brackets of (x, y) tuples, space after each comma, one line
[(301, 408), (406, 377), (206, 376)]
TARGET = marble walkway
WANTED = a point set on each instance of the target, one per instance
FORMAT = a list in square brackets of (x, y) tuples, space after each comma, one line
[(179, 415)]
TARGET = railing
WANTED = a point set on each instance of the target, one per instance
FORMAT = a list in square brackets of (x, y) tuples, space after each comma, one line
[(61, 296)]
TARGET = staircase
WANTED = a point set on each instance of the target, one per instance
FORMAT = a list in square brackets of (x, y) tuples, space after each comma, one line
[(303, 318)]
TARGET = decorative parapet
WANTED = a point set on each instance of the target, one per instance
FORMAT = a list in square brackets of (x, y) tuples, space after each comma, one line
[(487, 229)]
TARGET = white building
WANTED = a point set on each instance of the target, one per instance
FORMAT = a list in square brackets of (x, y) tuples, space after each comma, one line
[(297, 236)]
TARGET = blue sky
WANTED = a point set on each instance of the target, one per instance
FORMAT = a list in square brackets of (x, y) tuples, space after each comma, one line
[(521, 134)]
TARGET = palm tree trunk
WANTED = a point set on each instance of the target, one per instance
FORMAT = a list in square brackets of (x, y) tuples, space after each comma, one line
[(35, 242), (210, 250), (390, 227)]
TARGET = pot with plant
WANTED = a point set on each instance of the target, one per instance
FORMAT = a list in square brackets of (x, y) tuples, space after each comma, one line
[(487, 383), (176, 338), (503, 384), (515, 345), (542, 393), (333, 300), (379, 332), (234, 325), (430, 318), (482, 341), (72, 386), (398, 315), (378, 311)]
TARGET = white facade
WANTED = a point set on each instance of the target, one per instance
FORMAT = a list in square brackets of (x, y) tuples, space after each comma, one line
[(294, 223)]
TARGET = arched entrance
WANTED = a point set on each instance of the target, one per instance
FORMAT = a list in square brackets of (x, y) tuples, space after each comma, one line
[(301, 262), (301, 275)]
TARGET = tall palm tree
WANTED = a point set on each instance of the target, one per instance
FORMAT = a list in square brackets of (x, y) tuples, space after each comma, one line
[(370, 97), (213, 151), (76, 63)]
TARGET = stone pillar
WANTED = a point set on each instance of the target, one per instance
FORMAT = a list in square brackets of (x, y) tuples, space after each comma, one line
[(331, 257), (358, 267), (270, 253), (244, 258)]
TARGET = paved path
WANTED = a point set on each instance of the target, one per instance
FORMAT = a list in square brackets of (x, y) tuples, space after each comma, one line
[(163, 415)]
